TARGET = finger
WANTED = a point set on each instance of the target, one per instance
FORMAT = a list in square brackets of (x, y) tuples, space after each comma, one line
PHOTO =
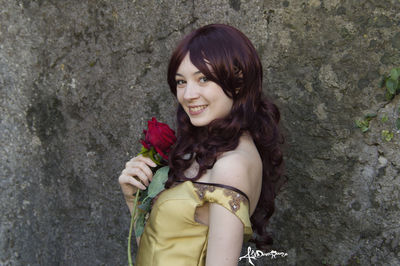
[(132, 166), (142, 179), (142, 166), (137, 183), (138, 173), (147, 160), (127, 179)]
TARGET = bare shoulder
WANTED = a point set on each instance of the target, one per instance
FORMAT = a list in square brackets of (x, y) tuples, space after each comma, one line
[(240, 168)]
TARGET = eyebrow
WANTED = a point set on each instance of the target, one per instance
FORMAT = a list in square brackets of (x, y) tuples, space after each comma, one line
[(195, 73)]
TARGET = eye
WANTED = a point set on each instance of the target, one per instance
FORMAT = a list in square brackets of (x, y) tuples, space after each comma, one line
[(203, 79), (180, 83)]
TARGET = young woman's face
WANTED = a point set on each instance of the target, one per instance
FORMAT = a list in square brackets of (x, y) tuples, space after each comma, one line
[(202, 99)]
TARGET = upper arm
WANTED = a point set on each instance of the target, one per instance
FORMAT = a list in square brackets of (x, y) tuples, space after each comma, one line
[(225, 237)]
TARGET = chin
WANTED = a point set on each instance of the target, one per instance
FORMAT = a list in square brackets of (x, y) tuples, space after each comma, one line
[(199, 123)]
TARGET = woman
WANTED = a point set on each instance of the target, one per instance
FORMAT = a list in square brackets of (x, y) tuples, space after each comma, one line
[(226, 162)]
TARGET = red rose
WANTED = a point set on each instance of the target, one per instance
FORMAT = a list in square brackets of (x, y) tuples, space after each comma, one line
[(160, 136)]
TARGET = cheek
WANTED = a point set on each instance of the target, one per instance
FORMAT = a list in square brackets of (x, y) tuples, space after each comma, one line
[(228, 105), (179, 96)]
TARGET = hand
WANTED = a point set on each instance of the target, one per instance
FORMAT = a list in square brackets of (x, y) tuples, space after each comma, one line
[(137, 174)]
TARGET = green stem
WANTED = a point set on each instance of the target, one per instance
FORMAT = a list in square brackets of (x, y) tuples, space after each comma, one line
[(131, 228)]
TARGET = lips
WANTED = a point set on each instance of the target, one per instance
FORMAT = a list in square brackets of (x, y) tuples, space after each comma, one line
[(194, 110)]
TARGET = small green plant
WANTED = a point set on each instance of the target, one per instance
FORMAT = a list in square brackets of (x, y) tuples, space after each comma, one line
[(392, 83), (387, 135), (364, 123)]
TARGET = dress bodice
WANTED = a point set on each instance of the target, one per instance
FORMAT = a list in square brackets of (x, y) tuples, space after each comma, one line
[(173, 237)]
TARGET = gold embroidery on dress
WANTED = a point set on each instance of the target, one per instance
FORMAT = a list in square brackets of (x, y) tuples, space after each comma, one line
[(235, 198), (201, 189)]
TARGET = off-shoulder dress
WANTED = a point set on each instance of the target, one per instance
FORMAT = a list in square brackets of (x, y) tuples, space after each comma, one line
[(172, 237)]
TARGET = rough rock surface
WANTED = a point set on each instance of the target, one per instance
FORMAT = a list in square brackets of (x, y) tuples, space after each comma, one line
[(79, 79)]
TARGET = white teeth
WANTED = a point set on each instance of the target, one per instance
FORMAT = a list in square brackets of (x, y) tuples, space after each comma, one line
[(197, 108)]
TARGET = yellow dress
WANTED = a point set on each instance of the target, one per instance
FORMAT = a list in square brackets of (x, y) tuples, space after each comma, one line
[(171, 235)]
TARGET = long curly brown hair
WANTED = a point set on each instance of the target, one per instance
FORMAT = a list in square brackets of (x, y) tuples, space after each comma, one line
[(227, 57)]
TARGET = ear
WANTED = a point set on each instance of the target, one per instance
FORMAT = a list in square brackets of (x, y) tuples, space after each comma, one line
[(238, 72)]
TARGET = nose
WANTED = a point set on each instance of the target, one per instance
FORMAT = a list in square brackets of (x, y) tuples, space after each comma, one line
[(191, 92)]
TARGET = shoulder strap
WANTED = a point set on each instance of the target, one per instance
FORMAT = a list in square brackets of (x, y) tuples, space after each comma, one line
[(220, 185)]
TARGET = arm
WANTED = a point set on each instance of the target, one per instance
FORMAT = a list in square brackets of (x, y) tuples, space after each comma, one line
[(136, 175), (241, 169), (225, 237)]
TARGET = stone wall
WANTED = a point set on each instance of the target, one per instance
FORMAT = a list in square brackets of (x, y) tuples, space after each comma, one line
[(79, 79)]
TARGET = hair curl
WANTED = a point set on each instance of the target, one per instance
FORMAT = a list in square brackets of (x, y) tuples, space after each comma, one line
[(227, 57)]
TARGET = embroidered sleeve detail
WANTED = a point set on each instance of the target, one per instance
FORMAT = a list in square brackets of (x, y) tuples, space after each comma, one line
[(235, 198), (230, 198), (202, 189)]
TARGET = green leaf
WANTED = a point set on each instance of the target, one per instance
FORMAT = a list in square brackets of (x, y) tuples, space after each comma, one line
[(387, 135), (359, 123), (140, 222), (153, 155), (369, 116), (391, 85), (398, 123), (384, 118), (143, 194), (388, 95), (158, 182), (363, 124), (143, 151), (146, 205), (394, 74)]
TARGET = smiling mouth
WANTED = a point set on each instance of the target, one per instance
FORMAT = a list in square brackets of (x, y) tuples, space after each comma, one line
[(197, 109)]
